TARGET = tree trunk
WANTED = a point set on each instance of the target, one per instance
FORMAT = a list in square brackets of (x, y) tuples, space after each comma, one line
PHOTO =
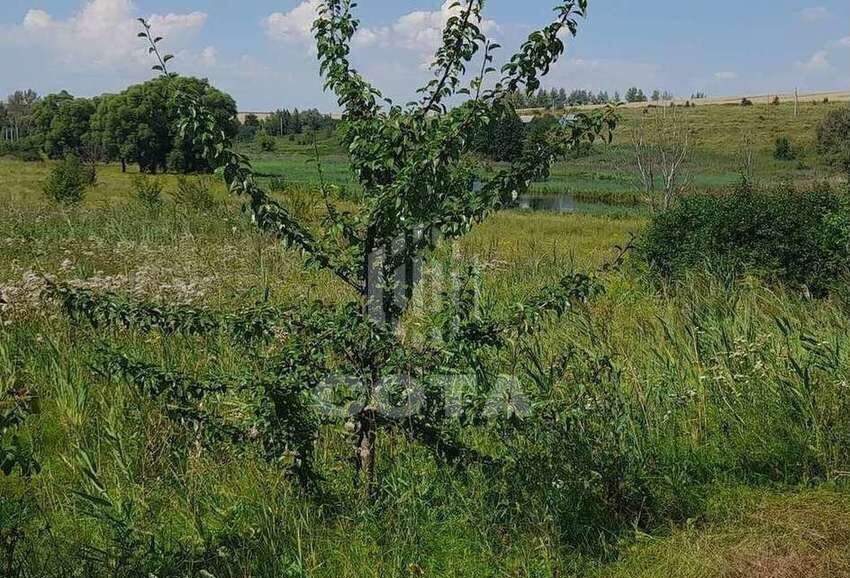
[(365, 450)]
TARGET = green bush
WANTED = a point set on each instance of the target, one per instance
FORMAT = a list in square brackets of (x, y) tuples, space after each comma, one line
[(68, 181), (783, 151), (834, 138), (147, 190), (786, 235), (194, 194), (266, 142), (277, 185)]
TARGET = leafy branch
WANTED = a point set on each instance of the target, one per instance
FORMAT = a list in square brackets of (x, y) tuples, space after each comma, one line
[(153, 47)]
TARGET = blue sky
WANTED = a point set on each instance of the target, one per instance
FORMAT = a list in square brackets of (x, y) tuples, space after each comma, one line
[(260, 50)]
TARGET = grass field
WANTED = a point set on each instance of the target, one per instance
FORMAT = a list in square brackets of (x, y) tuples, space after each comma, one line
[(706, 430)]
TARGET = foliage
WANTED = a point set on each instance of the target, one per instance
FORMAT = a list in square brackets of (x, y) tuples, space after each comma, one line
[(266, 142), (503, 139), (797, 236), (833, 137), (147, 190), (17, 403), (61, 122), (278, 185), (559, 98), (68, 181), (746, 102), (141, 124), (783, 151), (194, 193), (635, 94), (285, 122)]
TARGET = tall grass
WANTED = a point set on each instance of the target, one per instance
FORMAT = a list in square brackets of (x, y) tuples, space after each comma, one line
[(647, 400)]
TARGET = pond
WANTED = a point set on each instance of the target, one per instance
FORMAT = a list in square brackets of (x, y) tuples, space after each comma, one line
[(565, 203), (553, 203)]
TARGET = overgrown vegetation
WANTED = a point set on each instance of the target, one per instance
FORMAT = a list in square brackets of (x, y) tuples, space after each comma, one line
[(783, 150), (834, 138), (68, 181), (796, 236), (147, 191)]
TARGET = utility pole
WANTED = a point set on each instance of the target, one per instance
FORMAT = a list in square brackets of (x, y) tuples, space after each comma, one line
[(796, 102)]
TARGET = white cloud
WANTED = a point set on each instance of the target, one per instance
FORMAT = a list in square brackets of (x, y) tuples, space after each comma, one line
[(295, 25), (37, 19), (209, 56), (818, 62), (419, 31), (814, 14), (726, 75), (102, 34), (167, 23), (844, 42)]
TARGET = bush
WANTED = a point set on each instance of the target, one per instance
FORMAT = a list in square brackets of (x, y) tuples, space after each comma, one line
[(68, 181), (834, 138), (194, 194), (802, 238), (25, 149), (147, 190), (746, 102), (277, 185), (266, 142), (783, 151)]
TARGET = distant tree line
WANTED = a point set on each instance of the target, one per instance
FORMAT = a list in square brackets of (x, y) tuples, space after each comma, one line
[(139, 125), (561, 98), (284, 122)]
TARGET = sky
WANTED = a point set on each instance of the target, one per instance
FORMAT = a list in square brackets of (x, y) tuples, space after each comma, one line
[(262, 53)]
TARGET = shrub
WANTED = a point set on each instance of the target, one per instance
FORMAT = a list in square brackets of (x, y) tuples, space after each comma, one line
[(775, 101), (194, 194), (266, 142), (68, 181), (783, 151), (834, 138), (746, 102), (25, 149), (147, 190), (802, 238), (277, 185)]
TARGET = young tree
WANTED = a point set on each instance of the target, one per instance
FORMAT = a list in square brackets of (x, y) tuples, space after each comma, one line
[(661, 144), (833, 137), (417, 190)]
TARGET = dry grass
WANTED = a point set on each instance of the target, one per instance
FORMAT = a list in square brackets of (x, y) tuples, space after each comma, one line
[(803, 535)]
